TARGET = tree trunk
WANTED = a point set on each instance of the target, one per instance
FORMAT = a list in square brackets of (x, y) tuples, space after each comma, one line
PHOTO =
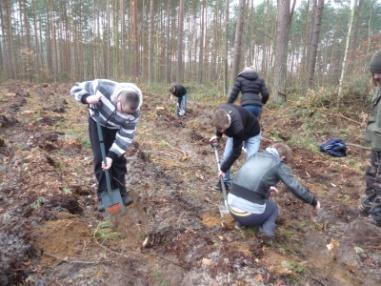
[(266, 29), (27, 50), (36, 36), (201, 53), (180, 69), (168, 64), (355, 34), (135, 39), (315, 41), (238, 38), (66, 49), (2, 60), (150, 46), (54, 40), (284, 17), (9, 50), (2, 41), (345, 60), (142, 45), (226, 51), (48, 41), (307, 40)]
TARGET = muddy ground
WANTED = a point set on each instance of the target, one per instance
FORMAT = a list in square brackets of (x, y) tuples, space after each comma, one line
[(51, 233)]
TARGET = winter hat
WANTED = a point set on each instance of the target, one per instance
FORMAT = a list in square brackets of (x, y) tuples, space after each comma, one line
[(375, 63)]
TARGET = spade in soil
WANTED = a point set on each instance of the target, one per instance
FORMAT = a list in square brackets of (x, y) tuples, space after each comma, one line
[(222, 207), (111, 200)]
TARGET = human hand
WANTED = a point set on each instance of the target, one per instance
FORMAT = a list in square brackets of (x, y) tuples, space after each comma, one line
[(108, 163), (317, 207), (94, 99), (273, 191), (214, 140), (221, 174)]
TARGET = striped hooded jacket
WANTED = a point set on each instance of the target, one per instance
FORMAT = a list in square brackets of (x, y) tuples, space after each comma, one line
[(105, 111)]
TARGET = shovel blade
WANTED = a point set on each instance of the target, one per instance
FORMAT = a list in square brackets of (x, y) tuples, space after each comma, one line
[(112, 202), (223, 210)]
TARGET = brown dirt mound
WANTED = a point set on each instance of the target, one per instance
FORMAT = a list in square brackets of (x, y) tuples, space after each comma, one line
[(61, 238)]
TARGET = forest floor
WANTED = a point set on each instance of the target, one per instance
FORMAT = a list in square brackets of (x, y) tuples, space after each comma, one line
[(51, 233)]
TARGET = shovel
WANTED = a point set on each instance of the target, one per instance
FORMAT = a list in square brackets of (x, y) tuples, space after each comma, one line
[(111, 200), (223, 208)]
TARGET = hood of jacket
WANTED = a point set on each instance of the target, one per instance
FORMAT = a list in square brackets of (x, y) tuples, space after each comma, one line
[(249, 73)]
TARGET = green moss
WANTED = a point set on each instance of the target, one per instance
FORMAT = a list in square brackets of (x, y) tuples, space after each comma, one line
[(105, 231)]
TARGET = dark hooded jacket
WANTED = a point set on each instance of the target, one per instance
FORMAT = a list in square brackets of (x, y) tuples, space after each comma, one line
[(244, 125), (251, 86), (180, 90)]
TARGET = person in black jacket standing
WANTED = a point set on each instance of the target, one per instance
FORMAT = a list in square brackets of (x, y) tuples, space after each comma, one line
[(251, 86), (242, 129), (250, 197), (180, 92)]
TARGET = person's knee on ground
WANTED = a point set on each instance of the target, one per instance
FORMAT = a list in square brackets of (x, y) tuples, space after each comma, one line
[(268, 228)]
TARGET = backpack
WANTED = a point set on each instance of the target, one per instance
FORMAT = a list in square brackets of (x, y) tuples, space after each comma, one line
[(375, 214), (335, 147)]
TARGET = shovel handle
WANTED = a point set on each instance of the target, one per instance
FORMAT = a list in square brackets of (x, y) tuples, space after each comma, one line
[(219, 168), (217, 157), (103, 152)]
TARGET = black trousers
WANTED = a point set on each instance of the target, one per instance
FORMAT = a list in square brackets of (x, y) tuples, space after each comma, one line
[(118, 169), (373, 174)]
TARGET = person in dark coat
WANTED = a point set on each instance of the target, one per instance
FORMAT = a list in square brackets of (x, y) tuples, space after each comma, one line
[(372, 197), (242, 129), (180, 92), (253, 89)]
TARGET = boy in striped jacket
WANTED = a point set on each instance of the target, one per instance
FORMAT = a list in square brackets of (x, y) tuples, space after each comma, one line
[(116, 106)]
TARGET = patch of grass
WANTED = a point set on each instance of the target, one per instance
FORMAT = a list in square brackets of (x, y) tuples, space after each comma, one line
[(286, 232), (305, 142), (66, 190), (302, 224), (85, 142), (159, 278), (355, 164), (249, 232), (38, 203), (105, 231), (77, 132), (160, 89), (294, 266)]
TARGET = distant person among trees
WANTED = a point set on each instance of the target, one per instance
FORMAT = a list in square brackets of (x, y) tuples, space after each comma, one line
[(372, 201), (116, 106), (253, 89), (250, 201), (242, 129), (180, 92)]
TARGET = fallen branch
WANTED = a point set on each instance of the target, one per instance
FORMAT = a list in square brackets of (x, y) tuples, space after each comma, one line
[(349, 119), (64, 260), (358, 146)]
